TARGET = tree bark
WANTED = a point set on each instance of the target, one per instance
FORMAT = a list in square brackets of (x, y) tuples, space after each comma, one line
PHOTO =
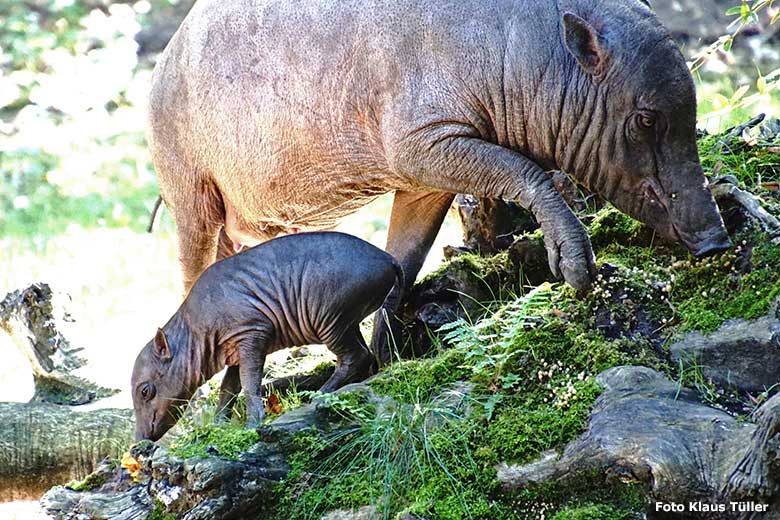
[(43, 444)]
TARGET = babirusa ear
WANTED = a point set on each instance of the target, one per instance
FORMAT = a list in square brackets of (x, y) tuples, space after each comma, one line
[(585, 43), (161, 348)]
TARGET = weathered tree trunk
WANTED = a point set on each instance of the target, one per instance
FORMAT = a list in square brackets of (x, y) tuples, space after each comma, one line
[(32, 320), (489, 225), (645, 429), (44, 444)]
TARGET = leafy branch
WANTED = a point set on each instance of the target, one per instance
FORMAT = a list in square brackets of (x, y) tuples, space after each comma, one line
[(746, 14)]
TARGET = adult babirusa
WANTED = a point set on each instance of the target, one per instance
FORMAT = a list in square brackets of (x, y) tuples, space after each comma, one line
[(272, 117)]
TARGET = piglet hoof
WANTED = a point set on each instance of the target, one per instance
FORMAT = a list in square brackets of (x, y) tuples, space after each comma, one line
[(254, 419), (253, 425)]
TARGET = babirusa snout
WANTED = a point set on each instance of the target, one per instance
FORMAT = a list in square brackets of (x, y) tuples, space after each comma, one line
[(716, 242), (696, 218), (141, 434)]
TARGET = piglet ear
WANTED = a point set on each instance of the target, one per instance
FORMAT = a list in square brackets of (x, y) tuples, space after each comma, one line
[(161, 348), (584, 43)]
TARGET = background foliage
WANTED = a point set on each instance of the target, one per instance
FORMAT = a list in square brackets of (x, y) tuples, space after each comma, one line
[(73, 86)]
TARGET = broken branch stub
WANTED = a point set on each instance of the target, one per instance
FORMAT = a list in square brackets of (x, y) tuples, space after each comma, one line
[(32, 318)]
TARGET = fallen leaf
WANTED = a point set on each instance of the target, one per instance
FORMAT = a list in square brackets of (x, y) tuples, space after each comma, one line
[(131, 465), (771, 186), (272, 404)]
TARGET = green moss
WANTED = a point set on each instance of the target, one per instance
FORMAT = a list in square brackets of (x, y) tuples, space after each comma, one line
[(227, 441), (593, 512), (90, 482), (158, 513), (482, 266), (701, 294), (524, 427), (610, 226), (586, 493), (740, 284), (496, 276)]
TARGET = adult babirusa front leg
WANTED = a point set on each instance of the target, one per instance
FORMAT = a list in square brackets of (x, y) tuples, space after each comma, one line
[(414, 222), (465, 164)]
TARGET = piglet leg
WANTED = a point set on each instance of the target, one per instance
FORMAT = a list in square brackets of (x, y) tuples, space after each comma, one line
[(353, 359), (228, 392), (251, 361)]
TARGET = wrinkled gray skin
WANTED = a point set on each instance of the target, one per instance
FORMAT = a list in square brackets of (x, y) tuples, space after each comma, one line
[(295, 290), (269, 117)]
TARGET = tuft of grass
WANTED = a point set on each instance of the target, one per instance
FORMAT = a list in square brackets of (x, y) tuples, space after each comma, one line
[(395, 454), (690, 375), (751, 165)]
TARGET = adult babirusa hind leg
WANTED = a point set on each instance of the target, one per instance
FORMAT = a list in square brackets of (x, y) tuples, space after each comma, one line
[(414, 222), (199, 215)]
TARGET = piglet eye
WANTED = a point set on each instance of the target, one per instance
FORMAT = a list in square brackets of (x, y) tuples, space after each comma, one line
[(147, 391)]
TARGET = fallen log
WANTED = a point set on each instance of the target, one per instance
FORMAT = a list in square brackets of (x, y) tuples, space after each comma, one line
[(43, 444)]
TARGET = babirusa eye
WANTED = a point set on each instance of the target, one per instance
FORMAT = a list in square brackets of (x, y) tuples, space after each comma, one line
[(646, 121), (147, 391)]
